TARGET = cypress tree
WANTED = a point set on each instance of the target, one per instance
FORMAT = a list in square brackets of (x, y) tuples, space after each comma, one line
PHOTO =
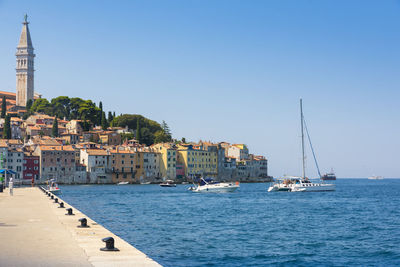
[(138, 133), (110, 117), (100, 114), (104, 123), (3, 107), (54, 130), (7, 128)]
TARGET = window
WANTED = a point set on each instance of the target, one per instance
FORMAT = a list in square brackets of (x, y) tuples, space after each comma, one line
[(35, 168)]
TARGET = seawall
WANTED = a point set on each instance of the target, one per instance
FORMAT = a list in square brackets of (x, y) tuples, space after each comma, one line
[(35, 231)]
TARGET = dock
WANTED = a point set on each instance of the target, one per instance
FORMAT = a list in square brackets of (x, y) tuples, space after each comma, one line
[(35, 231)]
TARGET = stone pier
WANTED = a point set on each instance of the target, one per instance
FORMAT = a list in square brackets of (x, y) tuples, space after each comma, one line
[(34, 231)]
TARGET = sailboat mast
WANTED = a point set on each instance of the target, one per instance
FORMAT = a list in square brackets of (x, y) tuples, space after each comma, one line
[(302, 138)]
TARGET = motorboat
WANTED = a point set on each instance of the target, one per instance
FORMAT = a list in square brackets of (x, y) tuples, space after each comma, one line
[(53, 188), (209, 185), (375, 178), (302, 183), (283, 184), (122, 183), (168, 183), (145, 183)]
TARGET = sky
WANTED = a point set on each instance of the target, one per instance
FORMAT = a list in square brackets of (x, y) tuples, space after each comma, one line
[(228, 70)]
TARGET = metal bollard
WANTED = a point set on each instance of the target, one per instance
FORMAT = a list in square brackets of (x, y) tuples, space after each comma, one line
[(83, 223), (61, 205), (109, 244), (69, 212), (52, 197), (56, 200)]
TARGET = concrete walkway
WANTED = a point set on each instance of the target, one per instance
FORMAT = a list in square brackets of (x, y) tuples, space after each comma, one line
[(35, 232)]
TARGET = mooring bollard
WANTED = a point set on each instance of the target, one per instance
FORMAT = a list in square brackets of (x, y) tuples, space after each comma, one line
[(83, 223), (61, 205), (52, 197), (56, 200), (69, 212), (109, 244)]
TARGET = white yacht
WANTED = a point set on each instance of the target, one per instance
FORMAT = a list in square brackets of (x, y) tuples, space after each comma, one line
[(209, 185), (123, 183), (302, 184)]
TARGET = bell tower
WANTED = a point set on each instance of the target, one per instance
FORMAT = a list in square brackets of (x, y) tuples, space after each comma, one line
[(25, 66)]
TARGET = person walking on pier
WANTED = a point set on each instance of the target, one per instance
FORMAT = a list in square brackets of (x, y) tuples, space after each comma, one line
[(11, 186)]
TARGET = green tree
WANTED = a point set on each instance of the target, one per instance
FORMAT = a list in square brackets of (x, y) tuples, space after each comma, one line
[(3, 107), (184, 140), (75, 104), (42, 105), (110, 117), (125, 136), (89, 111), (104, 122), (54, 130), (161, 137), (7, 127), (29, 105), (138, 131), (61, 107), (100, 115), (166, 129), (146, 137)]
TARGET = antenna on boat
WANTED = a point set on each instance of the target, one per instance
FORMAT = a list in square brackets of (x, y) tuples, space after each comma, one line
[(302, 137)]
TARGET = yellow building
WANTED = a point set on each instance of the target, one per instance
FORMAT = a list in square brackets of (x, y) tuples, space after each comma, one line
[(197, 161), (125, 166), (168, 159)]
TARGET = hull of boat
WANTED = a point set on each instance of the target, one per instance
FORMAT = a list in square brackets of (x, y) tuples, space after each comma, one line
[(168, 185), (55, 191), (314, 188), (328, 178), (220, 188), (278, 188)]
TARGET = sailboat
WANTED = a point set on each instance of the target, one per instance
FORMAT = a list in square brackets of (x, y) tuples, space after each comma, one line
[(302, 183)]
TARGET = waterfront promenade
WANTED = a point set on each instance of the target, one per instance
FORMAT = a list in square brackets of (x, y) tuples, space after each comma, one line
[(35, 232)]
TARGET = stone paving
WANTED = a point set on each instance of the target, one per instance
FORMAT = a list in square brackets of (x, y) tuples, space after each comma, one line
[(34, 231)]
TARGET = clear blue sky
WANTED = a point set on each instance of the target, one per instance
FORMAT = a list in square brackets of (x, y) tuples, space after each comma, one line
[(230, 71)]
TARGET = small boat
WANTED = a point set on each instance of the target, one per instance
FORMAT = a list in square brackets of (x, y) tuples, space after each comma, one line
[(329, 176), (209, 185), (123, 183), (375, 178), (53, 187), (145, 182), (283, 184), (168, 183)]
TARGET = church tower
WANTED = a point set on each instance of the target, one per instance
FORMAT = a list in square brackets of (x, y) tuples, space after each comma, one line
[(24, 68)]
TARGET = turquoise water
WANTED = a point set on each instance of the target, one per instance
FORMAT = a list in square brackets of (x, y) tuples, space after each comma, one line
[(359, 224)]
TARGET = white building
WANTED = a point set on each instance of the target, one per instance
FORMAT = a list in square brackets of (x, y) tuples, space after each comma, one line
[(15, 162)]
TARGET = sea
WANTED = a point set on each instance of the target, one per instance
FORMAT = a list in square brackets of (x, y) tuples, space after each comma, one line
[(357, 225)]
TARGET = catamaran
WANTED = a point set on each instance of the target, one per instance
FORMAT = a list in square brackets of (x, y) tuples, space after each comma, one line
[(302, 183)]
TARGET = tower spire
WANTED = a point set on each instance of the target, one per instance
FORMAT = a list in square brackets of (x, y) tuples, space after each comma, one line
[(25, 66)]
